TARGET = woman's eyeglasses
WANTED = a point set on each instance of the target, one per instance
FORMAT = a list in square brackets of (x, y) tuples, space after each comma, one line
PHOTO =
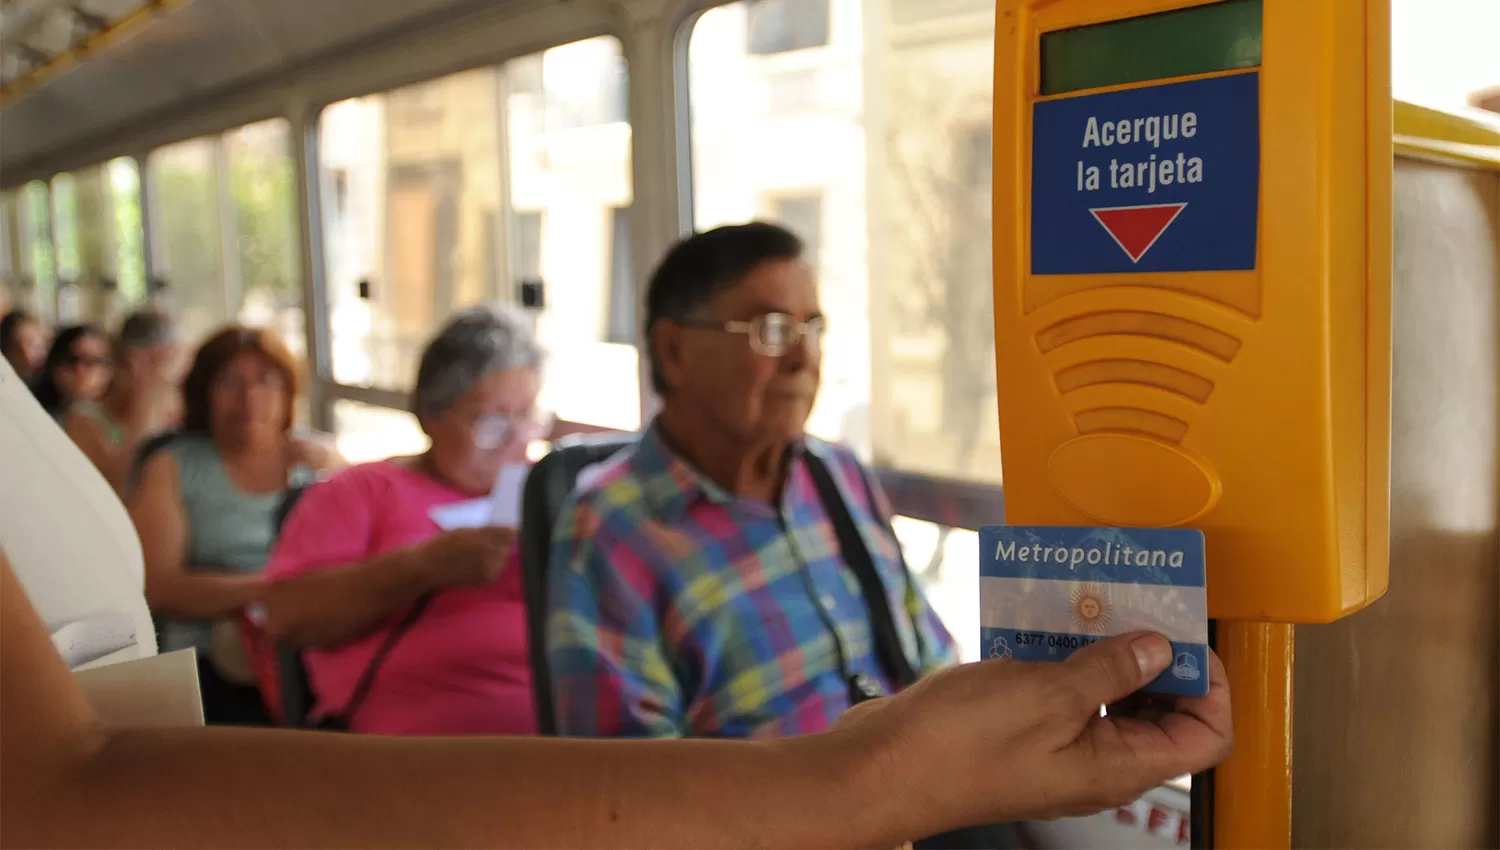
[(235, 382), (771, 334), (494, 430), (84, 361)]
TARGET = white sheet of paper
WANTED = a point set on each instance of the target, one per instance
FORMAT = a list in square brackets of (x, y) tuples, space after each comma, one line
[(471, 513), (505, 499), (501, 507), (158, 691)]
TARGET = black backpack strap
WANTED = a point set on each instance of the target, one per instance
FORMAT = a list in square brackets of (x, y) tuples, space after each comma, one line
[(856, 556), (342, 720)]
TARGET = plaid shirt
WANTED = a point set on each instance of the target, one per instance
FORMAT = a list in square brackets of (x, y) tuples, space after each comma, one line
[(680, 609)]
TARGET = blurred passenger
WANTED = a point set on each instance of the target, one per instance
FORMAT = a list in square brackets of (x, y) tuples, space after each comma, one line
[(23, 342), (697, 583), (362, 548), (142, 401), (204, 507), (77, 368)]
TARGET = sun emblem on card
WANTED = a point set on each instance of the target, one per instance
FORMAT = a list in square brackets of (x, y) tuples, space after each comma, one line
[(1088, 605)]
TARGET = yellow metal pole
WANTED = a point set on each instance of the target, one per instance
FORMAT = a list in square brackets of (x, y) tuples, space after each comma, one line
[(1253, 788)]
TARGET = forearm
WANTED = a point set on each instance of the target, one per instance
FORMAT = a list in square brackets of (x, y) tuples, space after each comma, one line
[(202, 595), (329, 607), (476, 792)]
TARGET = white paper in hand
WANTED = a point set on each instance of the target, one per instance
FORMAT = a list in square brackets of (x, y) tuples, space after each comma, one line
[(502, 507), (505, 499), (470, 513)]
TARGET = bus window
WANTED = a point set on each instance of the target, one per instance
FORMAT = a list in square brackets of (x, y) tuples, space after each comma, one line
[(96, 216), (407, 178), (872, 143), (422, 216), (368, 433), (263, 207), (38, 262), (876, 151), (569, 225), (10, 241), (124, 222), (65, 228), (187, 234)]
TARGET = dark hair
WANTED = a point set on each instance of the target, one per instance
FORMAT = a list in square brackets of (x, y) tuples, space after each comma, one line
[(145, 329), (8, 327), (46, 388), (703, 265), (215, 355)]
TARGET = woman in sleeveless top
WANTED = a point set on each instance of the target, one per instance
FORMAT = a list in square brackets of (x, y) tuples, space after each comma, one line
[(142, 400), (204, 508)]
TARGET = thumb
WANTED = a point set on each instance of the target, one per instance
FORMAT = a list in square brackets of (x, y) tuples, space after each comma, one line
[(1117, 667)]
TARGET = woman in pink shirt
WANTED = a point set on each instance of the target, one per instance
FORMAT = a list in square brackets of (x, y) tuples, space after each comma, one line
[(360, 550)]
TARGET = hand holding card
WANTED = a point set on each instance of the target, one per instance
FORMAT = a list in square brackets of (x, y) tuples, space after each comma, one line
[(1046, 592)]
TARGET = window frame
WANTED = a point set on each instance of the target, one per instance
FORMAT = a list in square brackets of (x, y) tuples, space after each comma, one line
[(788, 15)]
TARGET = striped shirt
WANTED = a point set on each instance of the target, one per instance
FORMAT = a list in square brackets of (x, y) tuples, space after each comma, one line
[(680, 609)]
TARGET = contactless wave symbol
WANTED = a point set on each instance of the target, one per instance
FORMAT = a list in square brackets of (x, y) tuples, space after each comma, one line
[(1132, 380), (1136, 228)]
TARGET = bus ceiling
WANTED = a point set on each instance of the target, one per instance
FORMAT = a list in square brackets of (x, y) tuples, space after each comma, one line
[(74, 72)]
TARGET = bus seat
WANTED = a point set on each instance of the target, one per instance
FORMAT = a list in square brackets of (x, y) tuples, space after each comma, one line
[(294, 695), (547, 487)]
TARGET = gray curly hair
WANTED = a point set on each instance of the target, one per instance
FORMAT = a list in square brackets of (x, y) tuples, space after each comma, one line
[(474, 343)]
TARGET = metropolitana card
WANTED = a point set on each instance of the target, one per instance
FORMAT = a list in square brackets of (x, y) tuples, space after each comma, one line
[(1045, 592)]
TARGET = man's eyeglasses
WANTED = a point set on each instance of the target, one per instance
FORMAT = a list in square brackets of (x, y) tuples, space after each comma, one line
[(494, 430), (771, 334)]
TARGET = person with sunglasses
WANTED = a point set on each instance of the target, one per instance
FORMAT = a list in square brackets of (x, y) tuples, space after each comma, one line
[(143, 399), (78, 368), (364, 560)]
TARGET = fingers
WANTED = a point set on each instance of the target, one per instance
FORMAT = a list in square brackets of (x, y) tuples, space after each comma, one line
[(1197, 733), (1117, 667), (1211, 711)]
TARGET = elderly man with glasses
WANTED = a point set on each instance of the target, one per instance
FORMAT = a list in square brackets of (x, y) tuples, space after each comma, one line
[(700, 583)]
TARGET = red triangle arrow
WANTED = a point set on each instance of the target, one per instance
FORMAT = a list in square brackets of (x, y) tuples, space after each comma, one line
[(1136, 229)]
